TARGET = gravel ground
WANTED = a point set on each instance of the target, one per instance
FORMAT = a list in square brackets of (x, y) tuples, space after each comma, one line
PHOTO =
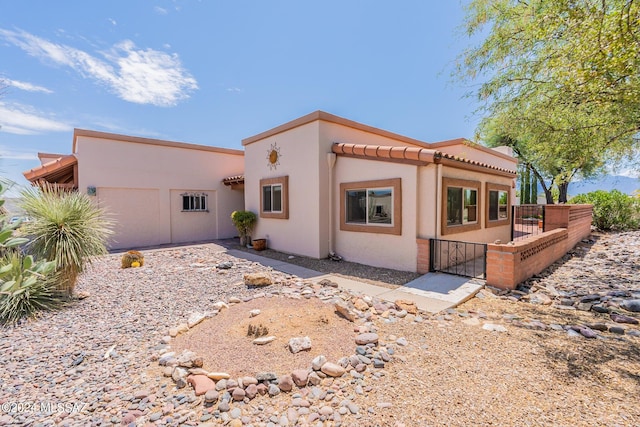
[(377, 276), (512, 359)]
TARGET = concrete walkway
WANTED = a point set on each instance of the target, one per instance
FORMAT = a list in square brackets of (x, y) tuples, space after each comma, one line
[(432, 292)]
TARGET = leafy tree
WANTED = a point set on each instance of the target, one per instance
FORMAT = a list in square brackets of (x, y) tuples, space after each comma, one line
[(560, 80)]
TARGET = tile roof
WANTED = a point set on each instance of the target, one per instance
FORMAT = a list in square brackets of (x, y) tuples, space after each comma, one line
[(412, 155)]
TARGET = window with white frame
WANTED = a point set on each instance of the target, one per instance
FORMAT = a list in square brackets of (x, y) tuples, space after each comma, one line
[(498, 205), (194, 202), (274, 197), (462, 206)]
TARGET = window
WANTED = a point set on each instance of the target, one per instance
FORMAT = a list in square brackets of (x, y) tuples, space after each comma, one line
[(460, 205), (194, 202), (274, 197), (497, 205), (371, 206)]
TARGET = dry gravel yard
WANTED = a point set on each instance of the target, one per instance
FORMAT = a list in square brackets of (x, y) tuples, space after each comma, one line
[(444, 370)]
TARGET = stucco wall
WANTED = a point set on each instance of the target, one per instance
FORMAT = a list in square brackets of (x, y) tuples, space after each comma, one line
[(300, 160), (482, 235), (123, 165), (398, 252)]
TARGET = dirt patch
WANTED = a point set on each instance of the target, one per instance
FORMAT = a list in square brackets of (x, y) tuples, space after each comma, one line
[(223, 343)]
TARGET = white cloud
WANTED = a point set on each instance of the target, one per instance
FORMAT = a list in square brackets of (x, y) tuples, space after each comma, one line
[(112, 21), (142, 76), (160, 10), (234, 89), (28, 86), (11, 153), (23, 120)]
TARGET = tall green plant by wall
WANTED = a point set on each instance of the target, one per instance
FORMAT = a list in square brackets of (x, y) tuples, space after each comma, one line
[(26, 286), (244, 221), (65, 226)]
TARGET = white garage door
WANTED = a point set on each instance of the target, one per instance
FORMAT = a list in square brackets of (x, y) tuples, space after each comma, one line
[(136, 213)]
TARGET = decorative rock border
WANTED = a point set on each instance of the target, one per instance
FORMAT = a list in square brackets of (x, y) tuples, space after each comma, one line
[(370, 357)]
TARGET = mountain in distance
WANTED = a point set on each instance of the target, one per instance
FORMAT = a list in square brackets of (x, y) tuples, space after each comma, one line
[(621, 183)]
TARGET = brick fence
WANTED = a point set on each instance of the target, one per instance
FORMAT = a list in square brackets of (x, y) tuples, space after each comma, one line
[(512, 263)]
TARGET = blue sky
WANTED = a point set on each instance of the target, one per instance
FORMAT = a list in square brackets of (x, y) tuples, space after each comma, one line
[(214, 72)]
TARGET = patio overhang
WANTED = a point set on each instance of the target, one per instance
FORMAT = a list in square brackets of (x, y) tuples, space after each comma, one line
[(63, 172), (236, 182)]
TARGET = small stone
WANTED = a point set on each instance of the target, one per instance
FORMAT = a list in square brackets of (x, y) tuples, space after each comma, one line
[(298, 344), (285, 383), (254, 312), (360, 305), (273, 390), (616, 330), (220, 305), (300, 377), (224, 265), (494, 327), (332, 369), (407, 305), (264, 340), (201, 384), (402, 341), (621, 318), (217, 376), (367, 338), (266, 376), (343, 310), (540, 299), (631, 305), (317, 362), (258, 279), (194, 319), (211, 396), (251, 391), (238, 394)]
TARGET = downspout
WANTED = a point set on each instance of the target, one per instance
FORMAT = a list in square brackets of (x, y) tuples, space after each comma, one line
[(331, 161), (438, 201)]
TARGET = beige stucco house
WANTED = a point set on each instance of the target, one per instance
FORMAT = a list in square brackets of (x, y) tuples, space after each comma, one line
[(320, 184), (157, 191), (324, 184)]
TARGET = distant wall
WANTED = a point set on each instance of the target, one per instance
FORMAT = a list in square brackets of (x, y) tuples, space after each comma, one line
[(511, 264)]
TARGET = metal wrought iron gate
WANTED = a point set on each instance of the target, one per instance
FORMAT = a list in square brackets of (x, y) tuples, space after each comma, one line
[(459, 258)]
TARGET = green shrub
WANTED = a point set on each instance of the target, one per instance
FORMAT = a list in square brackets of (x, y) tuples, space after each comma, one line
[(244, 221), (65, 226), (612, 210), (26, 287)]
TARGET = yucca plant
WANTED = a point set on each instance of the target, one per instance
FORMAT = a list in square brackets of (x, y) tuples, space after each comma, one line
[(65, 226), (26, 287)]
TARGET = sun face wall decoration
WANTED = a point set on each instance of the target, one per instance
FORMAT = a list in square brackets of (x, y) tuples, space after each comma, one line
[(273, 156)]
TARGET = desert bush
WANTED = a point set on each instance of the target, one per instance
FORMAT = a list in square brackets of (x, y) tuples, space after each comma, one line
[(244, 221), (612, 210), (26, 287), (65, 226), (130, 257)]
